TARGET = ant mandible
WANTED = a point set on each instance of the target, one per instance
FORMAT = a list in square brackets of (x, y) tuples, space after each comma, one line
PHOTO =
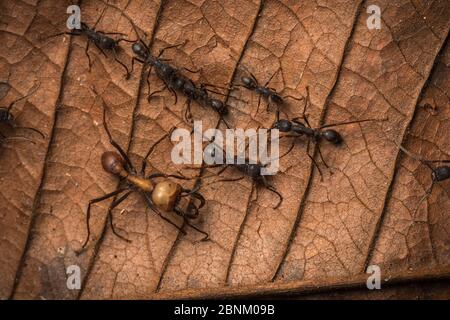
[(159, 196)]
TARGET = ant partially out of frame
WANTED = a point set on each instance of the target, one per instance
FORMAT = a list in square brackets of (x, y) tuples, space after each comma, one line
[(438, 173), (7, 117), (298, 128), (164, 195)]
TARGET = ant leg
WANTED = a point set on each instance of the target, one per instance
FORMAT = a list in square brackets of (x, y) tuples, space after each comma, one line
[(169, 47), (206, 235), (110, 214), (313, 160), (164, 175), (127, 75), (271, 188), (259, 103), (150, 151), (222, 119), (194, 193), (305, 117), (148, 81), (99, 18), (88, 213), (124, 39), (174, 93), (60, 34), (270, 79), (132, 63), (253, 76), (32, 90), (87, 54), (111, 140), (307, 101), (187, 112), (154, 93), (156, 211), (295, 98), (101, 50), (32, 129), (185, 220), (321, 156), (193, 71)]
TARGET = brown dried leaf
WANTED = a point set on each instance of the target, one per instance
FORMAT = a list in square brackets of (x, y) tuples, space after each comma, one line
[(360, 214)]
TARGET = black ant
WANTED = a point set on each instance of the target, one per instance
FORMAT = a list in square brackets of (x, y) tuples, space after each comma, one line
[(252, 170), (174, 81), (7, 117), (299, 128), (101, 40), (438, 174), (160, 196), (251, 83), (201, 95)]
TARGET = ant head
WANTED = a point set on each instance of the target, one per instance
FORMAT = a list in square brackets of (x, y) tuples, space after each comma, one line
[(219, 107), (165, 195), (112, 162), (139, 49), (283, 125), (332, 136), (248, 82), (441, 173)]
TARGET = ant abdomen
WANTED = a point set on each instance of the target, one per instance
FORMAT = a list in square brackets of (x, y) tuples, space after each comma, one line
[(219, 107), (166, 195), (112, 162), (5, 115), (441, 173), (106, 43), (332, 136)]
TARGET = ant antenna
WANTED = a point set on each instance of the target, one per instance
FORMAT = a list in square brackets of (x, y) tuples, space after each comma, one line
[(416, 157), (425, 196), (32, 90), (427, 163), (350, 122), (18, 138)]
